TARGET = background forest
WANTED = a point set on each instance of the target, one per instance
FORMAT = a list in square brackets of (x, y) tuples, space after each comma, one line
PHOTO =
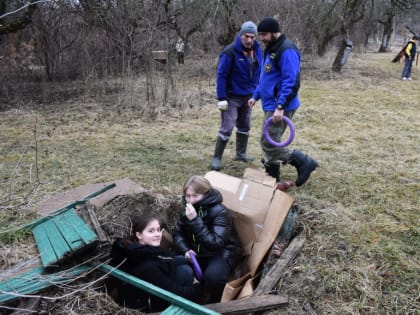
[(82, 101)]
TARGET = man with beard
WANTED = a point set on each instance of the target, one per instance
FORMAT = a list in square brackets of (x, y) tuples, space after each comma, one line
[(278, 90)]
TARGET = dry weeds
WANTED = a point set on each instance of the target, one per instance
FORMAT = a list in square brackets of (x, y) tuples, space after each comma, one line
[(359, 210)]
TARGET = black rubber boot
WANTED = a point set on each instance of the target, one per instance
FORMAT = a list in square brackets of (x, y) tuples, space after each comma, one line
[(272, 169), (304, 164), (216, 163), (241, 145)]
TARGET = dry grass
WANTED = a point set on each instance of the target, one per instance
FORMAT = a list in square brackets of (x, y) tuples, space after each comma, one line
[(359, 210)]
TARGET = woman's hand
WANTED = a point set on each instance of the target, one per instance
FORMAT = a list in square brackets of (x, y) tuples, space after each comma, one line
[(190, 212), (187, 255)]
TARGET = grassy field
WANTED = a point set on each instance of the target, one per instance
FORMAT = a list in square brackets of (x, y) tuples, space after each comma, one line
[(359, 210)]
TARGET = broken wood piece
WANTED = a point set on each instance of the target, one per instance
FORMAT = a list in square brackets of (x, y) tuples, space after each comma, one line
[(269, 281), (250, 304), (96, 225)]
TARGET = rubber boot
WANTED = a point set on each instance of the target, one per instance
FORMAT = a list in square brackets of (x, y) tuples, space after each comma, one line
[(304, 164), (272, 169), (241, 145), (216, 163)]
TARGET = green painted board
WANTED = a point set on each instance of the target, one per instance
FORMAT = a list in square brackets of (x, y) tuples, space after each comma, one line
[(72, 237), (172, 298), (176, 310), (20, 280), (45, 247), (34, 281), (56, 239), (76, 222), (61, 235)]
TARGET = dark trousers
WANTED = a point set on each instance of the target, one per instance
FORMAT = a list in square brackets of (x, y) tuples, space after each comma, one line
[(216, 272), (184, 274), (180, 56)]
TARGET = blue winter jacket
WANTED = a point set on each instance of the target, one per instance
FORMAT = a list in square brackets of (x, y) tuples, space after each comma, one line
[(234, 75), (280, 78)]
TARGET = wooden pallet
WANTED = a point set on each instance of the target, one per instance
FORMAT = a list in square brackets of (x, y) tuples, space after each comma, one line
[(61, 236)]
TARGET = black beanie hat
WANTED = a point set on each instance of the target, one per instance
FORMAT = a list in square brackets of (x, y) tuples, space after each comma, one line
[(269, 25)]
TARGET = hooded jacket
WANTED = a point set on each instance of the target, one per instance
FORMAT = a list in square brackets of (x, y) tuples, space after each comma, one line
[(151, 264), (410, 49), (211, 233), (280, 78), (235, 76)]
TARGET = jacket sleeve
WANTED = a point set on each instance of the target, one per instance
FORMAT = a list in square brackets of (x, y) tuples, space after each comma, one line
[(290, 77), (223, 72), (214, 234), (180, 241)]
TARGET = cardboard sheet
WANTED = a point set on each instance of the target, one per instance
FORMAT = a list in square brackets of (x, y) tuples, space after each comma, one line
[(259, 211)]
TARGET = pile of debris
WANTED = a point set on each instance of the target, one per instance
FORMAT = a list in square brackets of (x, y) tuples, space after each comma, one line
[(69, 286)]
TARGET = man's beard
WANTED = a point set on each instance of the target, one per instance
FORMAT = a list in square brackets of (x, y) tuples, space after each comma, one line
[(272, 40)]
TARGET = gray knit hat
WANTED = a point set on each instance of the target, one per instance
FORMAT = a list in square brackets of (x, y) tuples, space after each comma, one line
[(248, 27)]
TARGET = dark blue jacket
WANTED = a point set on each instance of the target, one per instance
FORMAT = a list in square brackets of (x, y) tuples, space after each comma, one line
[(280, 78), (234, 75)]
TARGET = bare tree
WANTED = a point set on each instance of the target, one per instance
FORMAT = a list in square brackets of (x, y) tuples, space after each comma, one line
[(390, 9), (353, 12), (14, 16)]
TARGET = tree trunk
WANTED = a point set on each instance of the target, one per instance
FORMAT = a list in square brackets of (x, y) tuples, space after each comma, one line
[(388, 29), (342, 55)]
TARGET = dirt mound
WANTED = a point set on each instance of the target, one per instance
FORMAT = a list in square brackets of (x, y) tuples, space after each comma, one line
[(116, 216)]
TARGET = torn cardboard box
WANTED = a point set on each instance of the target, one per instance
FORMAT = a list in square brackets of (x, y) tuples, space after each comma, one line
[(259, 210)]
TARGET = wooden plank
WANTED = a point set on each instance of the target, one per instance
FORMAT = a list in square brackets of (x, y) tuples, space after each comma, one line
[(250, 304), (56, 239), (159, 292), (34, 281), (176, 310), (45, 247), (269, 281), (67, 231), (32, 224), (84, 231), (96, 225), (20, 280)]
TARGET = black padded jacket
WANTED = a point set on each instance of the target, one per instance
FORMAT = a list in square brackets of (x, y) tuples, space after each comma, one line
[(154, 265), (211, 233)]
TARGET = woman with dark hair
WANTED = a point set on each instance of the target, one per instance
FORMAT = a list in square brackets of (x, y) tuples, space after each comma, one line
[(143, 257), (206, 230)]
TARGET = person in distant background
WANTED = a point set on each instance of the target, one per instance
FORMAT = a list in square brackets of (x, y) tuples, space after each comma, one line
[(238, 72), (409, 53), (179, 46), (206, 230), (147, 260), (278, 90)]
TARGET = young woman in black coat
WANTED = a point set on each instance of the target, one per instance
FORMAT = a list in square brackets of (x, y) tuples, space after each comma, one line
[(143, 257), (206, 229)]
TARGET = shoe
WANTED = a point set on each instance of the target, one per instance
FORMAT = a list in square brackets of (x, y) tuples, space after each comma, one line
[(409, 78), (403, 78)]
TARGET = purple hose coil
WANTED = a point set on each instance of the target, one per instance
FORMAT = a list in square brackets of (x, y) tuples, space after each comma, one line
[(287, 141), (196, 267)]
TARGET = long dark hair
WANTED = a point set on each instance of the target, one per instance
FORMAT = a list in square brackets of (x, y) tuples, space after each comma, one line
[(140, 222)]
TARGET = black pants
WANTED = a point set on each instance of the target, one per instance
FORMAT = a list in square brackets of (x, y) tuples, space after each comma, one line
[(216, 271)]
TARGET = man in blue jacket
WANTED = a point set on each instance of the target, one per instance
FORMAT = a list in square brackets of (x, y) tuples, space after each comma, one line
[(237, 77), (278, 90)]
